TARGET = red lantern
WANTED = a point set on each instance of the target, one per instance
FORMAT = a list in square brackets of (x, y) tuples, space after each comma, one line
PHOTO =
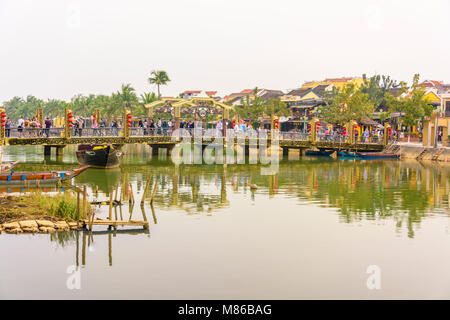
[(129, 116), (3, 120), (70, 124), (3, 115), (70, 115), (129, 120), (93, 116)]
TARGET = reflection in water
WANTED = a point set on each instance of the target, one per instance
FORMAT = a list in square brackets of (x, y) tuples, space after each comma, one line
[(403, 191), (84, 241), (277, 241), (399, 190)]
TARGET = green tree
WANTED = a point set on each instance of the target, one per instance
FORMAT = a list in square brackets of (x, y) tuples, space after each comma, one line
[(55, 108), (126, 98), (349, 103), (252, 107), (146, 98), (376, 87), (160, 78), (277, 107), (412, 105)]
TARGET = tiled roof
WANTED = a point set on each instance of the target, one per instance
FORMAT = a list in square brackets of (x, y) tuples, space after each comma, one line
[(299, 92), (191, 91), (210, 93), (343, 79), (431, 83)]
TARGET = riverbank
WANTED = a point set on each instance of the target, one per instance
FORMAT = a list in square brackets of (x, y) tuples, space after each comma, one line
[(38, 213), (419, 152)]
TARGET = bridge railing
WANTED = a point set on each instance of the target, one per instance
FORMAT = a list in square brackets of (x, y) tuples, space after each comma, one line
[(29, 132), (294, 136)]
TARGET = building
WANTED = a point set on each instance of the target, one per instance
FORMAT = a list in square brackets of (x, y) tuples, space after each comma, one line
[(338, 83), (189, 94), (235, 98)]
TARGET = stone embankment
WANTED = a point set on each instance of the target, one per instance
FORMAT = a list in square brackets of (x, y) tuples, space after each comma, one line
[(37, 226), (419, 152)]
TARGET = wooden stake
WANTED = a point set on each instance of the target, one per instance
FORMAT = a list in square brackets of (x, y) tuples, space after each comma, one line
[(154, 191), (84, 202), (131, 193), (110, 202), (153, 214), (110, 249), (147, 185), (117, 190), (83, 250), (78, 209)]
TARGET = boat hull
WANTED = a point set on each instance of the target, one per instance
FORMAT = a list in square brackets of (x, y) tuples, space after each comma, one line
[(377, 155), (39, 178), (105, 157), (320, 153)]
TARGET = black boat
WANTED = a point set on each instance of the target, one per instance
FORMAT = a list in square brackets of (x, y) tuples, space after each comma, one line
[(99, 156), (319, 153)]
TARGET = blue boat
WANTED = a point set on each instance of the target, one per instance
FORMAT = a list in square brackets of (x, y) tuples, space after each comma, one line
[(348, 154)]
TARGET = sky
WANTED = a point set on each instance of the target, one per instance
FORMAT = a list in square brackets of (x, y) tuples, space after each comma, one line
[(58, 48)]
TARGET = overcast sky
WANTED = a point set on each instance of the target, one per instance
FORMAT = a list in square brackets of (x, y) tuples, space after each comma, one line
[(57, 48)]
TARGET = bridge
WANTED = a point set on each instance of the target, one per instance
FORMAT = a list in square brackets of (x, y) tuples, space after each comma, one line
[(165, 138)]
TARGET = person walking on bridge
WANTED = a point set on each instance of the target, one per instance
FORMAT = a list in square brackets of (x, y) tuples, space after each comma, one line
[(48, 125), (20, 124)]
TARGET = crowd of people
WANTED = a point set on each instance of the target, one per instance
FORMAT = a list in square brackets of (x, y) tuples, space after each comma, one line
[(31, 127)]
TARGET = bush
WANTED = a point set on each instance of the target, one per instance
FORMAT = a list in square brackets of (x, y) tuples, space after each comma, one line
[(63, 205)]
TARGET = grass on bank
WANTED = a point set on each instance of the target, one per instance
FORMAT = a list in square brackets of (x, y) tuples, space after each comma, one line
[(43, 206)]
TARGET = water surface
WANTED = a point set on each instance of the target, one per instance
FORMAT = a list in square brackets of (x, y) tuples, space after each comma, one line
[(308, 232)]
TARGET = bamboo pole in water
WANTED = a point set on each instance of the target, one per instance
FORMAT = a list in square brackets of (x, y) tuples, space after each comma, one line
[(110, 249), (147, 185), (83, 250), (155, 221), (110, 202), (117, 190), (84, 202), (131, 194), (154, 191), (78, 209)]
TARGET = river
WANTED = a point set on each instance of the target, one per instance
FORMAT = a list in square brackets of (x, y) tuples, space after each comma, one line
[(312, 231)]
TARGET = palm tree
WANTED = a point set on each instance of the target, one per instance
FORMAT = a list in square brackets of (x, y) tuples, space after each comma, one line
[(146, 98), (158, 77), (127, 97)]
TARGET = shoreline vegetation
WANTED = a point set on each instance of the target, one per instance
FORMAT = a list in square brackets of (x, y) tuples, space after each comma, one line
[(39, 213)]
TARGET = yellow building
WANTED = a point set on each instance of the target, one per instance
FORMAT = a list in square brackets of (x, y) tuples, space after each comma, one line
[(338, 83), (432, 97)]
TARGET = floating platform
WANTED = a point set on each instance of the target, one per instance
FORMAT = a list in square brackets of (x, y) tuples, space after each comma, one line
[(116, 223)]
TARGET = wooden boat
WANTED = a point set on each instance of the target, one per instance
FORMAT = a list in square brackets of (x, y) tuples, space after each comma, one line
[(38, 178), (377, 155), (99, 156), (8, 166), (319, 153)]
